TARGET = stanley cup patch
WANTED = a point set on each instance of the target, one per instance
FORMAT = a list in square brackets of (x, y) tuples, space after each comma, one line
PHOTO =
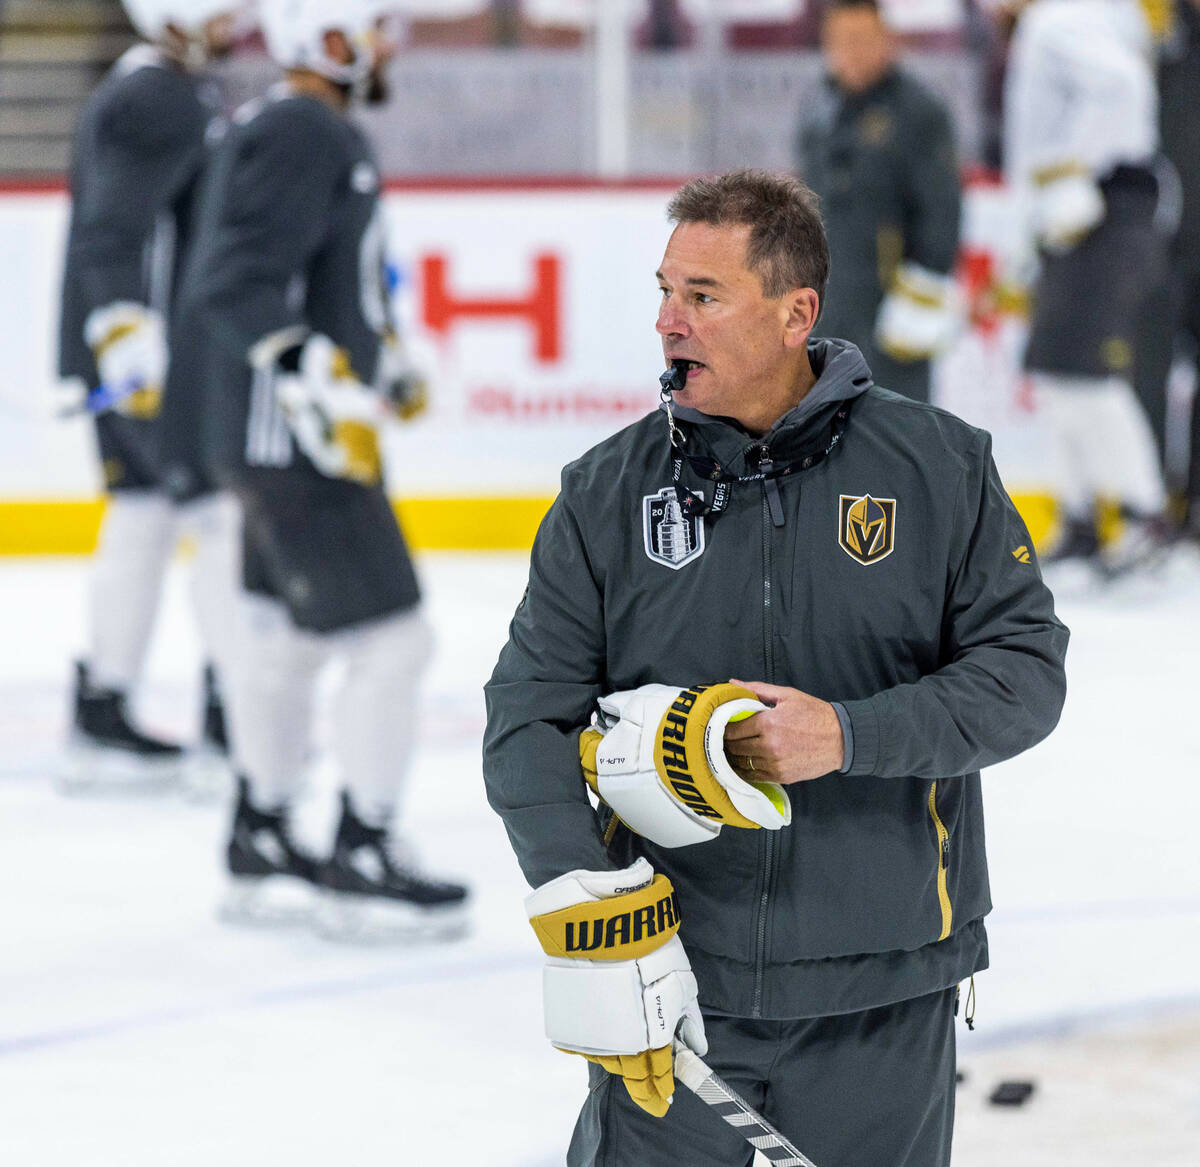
[(670, 536), (866, 527)]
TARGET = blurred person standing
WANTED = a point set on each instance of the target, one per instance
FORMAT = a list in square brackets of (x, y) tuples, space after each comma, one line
[(878, 148), (1081, 141), (140, 149), (289, 283), (1179, 85), (1169, 342)]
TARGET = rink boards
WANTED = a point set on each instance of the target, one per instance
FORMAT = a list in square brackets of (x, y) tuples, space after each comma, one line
[(533, 309)]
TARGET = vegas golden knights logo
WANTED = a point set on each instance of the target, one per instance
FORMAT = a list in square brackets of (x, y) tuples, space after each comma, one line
[(866, 527)]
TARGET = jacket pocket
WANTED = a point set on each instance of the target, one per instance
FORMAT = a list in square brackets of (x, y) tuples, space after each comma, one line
[(943, 863)]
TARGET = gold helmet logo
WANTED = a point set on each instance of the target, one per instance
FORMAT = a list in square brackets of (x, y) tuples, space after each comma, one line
[(866, 527)]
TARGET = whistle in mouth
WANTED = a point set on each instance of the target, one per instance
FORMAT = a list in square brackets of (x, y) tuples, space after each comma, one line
[(673, 380)]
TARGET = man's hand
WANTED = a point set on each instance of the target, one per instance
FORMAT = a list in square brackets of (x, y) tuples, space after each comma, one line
[(797, 738)]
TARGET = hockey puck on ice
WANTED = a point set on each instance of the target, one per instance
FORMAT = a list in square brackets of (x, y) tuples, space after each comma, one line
[(1013, 1093)]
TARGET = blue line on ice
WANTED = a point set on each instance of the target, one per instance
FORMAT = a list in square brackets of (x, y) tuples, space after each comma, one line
[(438, 973)]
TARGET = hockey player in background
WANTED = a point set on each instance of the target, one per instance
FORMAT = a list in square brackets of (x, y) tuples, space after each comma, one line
[(289, 284), (1080, 147), (139, 152), (1179, 80), (878, 148), (1169, 343)]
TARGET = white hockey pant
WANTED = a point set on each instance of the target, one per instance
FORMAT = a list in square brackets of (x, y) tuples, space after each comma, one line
[(374, 709), (1104, 446), (140, 533), (136, 541)]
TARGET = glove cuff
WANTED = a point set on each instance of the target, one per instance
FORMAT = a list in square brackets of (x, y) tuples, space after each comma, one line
[(923, 286), (691, 735), (113, 322), (610, 916)]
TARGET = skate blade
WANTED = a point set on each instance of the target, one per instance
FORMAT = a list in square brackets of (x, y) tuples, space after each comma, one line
[(90, 770), (354, 919), (267, 901), (206, 777)]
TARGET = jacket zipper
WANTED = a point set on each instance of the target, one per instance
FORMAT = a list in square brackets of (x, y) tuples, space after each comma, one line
[(943, 840), (767, 837)]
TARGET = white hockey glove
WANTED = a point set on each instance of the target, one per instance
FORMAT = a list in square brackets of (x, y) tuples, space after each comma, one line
[(332, 415), (1067, 206), (657, 757), (920, 316), (129, 342), (402, 384), (617, 984)]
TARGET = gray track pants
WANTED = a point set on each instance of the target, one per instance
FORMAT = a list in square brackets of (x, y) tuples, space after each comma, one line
[(871, 1089)]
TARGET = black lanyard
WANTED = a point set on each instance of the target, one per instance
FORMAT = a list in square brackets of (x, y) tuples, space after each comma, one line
[(709, 469)]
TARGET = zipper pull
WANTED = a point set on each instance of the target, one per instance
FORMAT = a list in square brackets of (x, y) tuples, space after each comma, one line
[(946, 853), (770, 486)]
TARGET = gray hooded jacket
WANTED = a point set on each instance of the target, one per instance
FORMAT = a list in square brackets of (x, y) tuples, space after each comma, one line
[(888, 572)]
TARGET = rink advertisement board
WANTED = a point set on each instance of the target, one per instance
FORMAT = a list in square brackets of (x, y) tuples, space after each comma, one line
[(532, 308)]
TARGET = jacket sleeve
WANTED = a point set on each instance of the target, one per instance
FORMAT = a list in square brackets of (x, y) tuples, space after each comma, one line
[(152, 146), (1003, 686), (932, 191), (540, 696), (273, 218)]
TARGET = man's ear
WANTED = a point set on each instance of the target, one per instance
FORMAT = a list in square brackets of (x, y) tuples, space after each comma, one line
[(337, 47), (803, 306)]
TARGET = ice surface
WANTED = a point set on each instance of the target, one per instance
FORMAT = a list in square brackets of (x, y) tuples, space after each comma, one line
[(137, 1031)]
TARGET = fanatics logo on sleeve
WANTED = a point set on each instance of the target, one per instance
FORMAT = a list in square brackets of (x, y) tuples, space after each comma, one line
[(671, 537), (866, 527)]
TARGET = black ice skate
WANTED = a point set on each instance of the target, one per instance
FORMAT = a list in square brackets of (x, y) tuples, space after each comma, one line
[(106, 752), (373, 890), (1079, 541), (1142, 546), (271, 879), (208, 775)]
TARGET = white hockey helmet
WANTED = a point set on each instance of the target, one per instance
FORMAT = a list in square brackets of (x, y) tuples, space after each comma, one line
[(151, 17), (295, 34)]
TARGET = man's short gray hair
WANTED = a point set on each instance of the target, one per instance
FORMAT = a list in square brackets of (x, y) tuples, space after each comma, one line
[(787, 247)]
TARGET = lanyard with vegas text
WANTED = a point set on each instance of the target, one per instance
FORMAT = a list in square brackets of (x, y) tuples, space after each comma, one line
[(693, 505)]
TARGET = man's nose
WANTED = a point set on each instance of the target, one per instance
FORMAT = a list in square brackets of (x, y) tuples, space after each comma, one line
[(671, 321)]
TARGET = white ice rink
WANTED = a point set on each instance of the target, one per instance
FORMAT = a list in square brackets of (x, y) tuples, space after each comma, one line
[(137, 1031)]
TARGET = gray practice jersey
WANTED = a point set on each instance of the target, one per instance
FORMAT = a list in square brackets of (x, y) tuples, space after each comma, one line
[(290, 236), (883, 163), (138, 155)]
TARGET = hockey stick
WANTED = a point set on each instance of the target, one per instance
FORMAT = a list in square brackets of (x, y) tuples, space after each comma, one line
[(751, 1125), (100, 400), (73, 401)]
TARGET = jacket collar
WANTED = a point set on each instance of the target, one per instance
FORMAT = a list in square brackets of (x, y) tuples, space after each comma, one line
[(842, 375)]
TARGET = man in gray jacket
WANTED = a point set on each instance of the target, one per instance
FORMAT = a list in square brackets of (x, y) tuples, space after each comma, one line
[(878, 147), (788, 870)]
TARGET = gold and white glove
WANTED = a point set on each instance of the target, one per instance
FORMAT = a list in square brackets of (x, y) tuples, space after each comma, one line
[(617, 984), (332, 415), (129, 342), (657, 757), (920, 316), (1067, 207), (403, 385)]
